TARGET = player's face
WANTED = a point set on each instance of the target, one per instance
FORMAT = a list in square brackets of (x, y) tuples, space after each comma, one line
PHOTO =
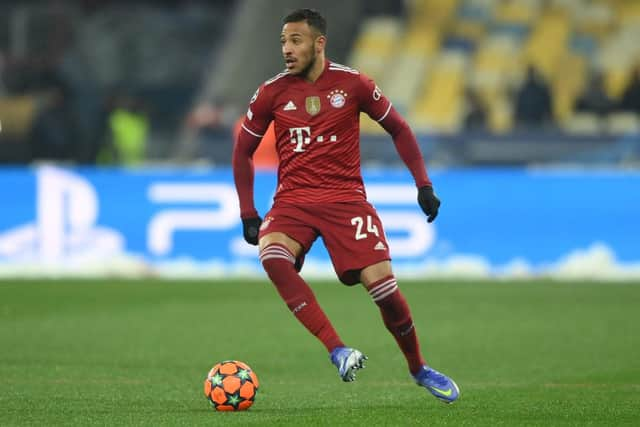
[(299, 47)]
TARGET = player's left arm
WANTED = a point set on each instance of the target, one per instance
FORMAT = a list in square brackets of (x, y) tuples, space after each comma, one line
[(379, 108)]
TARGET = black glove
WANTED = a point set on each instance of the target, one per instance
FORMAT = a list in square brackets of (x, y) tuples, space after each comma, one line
[(428, 202), (250, 229)]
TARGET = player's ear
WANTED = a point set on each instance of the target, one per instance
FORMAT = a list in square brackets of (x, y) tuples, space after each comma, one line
[(321, 42)]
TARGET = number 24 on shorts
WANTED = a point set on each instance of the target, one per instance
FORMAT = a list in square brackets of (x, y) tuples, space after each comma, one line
[(358, 221)]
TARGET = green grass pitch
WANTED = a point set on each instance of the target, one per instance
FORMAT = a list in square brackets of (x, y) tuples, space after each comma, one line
[(84, 353)]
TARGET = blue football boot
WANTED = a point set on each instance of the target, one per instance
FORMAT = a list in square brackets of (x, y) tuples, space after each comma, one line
[(348, 361), (441, 386)]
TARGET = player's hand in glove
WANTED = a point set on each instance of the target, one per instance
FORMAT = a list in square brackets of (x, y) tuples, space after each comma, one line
[(428, 202), (250, 229)]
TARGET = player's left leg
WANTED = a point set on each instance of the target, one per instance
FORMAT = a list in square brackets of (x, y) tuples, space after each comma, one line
[(380, 282)]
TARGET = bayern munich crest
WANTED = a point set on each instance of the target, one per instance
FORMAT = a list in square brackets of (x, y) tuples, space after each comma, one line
[(337, 98)]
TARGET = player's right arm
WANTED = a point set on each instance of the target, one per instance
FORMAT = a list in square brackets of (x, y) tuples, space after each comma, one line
[(251, 132)]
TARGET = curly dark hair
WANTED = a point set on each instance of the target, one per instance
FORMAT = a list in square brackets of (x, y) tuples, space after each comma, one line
[(313, 18)]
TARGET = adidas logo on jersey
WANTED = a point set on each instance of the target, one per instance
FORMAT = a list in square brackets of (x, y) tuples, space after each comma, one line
[(379, 247), (290, 106)]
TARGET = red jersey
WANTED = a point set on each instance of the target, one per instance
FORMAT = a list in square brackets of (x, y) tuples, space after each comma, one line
[(317, 128)]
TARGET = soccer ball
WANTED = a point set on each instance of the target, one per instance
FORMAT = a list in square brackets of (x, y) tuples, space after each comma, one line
[(231, 386)]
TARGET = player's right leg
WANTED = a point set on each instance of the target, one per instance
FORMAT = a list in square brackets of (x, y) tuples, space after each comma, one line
[(278, 254)]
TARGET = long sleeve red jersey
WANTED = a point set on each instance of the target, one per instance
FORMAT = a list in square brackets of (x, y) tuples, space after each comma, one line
[(317, 128)]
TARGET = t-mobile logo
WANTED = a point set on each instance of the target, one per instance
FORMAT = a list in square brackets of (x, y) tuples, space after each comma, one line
[(302, 136)]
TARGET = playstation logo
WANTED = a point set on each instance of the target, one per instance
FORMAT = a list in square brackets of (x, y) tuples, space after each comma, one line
[(65, 228)]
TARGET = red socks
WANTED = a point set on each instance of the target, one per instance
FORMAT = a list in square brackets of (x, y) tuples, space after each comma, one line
[(279, 263), (397, 318)]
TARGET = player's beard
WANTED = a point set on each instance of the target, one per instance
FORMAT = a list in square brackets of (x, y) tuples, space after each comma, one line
[(312, 61)]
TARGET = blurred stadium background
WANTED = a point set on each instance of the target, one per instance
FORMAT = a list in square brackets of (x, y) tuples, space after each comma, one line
[(117, 121)]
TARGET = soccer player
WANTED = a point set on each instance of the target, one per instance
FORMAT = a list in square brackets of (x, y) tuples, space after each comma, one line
[(315, 105)]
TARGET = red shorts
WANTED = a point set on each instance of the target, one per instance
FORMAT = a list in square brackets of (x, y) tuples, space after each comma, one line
[(352, 233)]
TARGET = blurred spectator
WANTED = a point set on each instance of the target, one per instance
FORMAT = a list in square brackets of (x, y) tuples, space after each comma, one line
[(631, 96), (205, 115), (16, 117), (128, 129), (533, 100), (38, 110), (594, 99), (210, 124), (475, 115), (53, 134)]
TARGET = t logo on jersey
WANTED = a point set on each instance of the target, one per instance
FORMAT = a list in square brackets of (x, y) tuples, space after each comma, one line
[(302, 137)]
